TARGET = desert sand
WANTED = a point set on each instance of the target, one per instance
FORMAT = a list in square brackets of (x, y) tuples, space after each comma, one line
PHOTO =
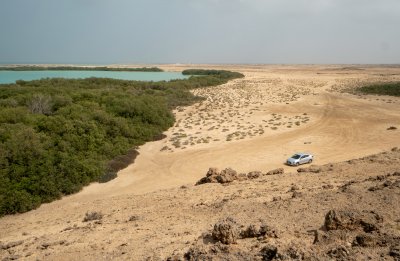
[(153, 211)]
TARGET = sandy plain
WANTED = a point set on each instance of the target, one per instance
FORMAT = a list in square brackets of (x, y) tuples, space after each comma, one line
[(152, 210)]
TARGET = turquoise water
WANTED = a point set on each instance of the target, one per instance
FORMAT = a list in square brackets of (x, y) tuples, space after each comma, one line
[(12, 76)]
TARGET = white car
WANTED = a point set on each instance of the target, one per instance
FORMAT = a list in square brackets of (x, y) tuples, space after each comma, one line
[(299, 158)]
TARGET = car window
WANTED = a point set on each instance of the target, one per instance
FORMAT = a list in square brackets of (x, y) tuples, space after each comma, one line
[(296, 156)]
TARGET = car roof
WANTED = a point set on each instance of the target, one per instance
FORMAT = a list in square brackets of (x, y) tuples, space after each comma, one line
[(302, 154)]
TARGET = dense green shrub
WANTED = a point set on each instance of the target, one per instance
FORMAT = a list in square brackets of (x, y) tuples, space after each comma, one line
[(392, 89), (58, 135)]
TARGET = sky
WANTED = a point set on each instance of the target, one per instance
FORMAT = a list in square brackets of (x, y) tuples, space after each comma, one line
[(200, 31)]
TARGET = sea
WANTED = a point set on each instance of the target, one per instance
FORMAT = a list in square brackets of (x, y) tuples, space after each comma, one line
[(12, 76)]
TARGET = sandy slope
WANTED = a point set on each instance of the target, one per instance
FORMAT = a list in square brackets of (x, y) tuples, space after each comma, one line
[(249, 124)]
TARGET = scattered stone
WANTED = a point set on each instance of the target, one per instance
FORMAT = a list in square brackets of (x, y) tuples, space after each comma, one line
[(297, 194), (340, 253), (195, 253), (262, 230), (293, 253), (346, 186), (365, 240), (312, 169), (269, 252), (11, 244), (213, 176), (254, 174), (250, 231), (319, 236), (49, 244), (277, 198), (329, 186), (395, 252), (133, 218), (275, 171), (226, 231), (351, 220)]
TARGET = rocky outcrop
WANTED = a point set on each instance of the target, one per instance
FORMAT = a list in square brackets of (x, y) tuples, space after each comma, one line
[(275, 171), (229, 175), (351, 220), (226, 231), (214, 176)]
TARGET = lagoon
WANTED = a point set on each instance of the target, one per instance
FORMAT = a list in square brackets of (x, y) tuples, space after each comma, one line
[(12, 76)]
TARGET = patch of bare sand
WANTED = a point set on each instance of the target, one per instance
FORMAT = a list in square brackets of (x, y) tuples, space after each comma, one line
[(235, 126)]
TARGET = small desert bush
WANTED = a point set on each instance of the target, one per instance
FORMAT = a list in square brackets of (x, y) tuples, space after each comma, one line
[(94, 215)]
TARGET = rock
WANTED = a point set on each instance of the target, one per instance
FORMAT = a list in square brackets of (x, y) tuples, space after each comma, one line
[(392, 128), (251, 231), (174, 258), (212, 172), (294, 253), (226, 231), (277, 198), (11, 244), (227, 175), (312, 169), (340, 253), (394, 251), (329, 186), (297, 194), (340, 220), (213, 176), (294, 188), (351, 220), (269, 252), (320, 236), (196, 253), (275, 171), (346, 186), (254, 174), (259, 231), (133, 218), (365, 240)]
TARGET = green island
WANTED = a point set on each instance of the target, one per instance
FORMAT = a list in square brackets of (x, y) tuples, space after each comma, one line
[(391, 89), (58, 135), (78, 68)]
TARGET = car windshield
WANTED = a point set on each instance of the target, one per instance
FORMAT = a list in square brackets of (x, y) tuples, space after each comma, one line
[(296, 156)]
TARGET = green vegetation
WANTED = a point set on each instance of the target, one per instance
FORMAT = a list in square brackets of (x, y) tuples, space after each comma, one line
[(78, 68), (58, 135), (392, 89), (219, 73)]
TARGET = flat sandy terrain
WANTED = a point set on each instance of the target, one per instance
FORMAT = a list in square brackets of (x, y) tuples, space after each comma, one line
[(249, 124)]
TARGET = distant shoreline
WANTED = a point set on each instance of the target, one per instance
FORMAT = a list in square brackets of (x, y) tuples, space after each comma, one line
[(76, 68)]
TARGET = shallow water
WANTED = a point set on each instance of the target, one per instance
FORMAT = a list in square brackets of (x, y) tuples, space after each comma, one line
[(12, 76)]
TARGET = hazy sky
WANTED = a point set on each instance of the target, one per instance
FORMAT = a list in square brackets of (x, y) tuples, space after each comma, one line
[(199, 31)]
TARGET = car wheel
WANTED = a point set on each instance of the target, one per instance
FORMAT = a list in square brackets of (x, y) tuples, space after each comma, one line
[(310, 161), (297, 163)]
